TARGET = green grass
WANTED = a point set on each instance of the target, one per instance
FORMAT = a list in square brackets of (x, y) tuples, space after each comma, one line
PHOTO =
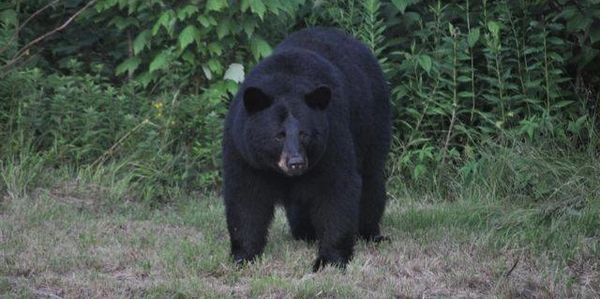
[(81, 233)]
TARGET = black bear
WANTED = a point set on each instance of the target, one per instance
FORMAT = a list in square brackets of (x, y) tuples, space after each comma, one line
[(310, 129)]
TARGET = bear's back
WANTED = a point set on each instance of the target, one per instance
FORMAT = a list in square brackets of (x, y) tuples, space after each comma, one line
[(339, 48), (364, 80)]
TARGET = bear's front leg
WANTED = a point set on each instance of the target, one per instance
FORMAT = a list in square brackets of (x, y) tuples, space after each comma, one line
[(249, 205), (335, 216)]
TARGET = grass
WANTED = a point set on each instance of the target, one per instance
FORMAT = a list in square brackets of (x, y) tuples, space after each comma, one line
[(68, 233), (71, 240)]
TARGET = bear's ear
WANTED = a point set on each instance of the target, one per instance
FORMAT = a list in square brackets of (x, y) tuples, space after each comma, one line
[(256, 100), (318, 98)]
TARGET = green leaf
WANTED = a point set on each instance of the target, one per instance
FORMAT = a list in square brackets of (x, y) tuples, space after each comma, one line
[(215, 48), (160, 61), (463, 79), (473, 37), (224, 28), (8, 17), (575, 126), (166, 20), (562, 104), (260, 48), (425, 62), (530, 131), (580, 120), (258, 7), (186, 12), (140, 42), (465, 94), (188, 56), (203, 21), (418, 171), (401, 5), (494, 27), (244, 5), (249, 25), (567, 13), (215, 5), (123, 23), (145, 78), (187, 36), (214, 65), (129, 65), (555, 41)]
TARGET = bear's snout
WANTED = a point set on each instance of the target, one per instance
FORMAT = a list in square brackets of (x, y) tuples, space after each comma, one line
[(292, 165), (296, 163)]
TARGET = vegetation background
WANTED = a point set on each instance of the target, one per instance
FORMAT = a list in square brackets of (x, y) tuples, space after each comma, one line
[(111, 120)]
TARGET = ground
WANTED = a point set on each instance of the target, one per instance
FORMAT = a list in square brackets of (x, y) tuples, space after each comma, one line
[(74, 240)]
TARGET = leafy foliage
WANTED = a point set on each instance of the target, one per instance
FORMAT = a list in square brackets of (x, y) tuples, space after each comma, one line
[(171, 141), (464, 72), (148, 82), (195, 39)]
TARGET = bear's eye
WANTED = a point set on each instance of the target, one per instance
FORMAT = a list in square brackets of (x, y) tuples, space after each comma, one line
[(280, 136)]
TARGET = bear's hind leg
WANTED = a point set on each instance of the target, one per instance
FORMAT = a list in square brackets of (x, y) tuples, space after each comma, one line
[(372, 205)]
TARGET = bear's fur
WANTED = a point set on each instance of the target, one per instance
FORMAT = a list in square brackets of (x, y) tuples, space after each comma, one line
[(309, 129)]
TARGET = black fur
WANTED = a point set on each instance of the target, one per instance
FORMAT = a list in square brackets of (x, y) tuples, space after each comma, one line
[(320, 100)]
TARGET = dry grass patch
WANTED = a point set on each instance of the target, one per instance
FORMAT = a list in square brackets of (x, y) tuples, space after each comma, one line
[(55, 247)]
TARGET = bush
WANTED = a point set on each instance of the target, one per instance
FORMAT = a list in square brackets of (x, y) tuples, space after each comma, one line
[(146, 84), (165, 140)]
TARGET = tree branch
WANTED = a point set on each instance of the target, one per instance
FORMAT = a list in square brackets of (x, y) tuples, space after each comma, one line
[(25, 49), (18, 29)]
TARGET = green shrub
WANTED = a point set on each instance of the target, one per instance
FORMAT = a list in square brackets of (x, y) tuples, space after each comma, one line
[(145, 85), (164, 140)]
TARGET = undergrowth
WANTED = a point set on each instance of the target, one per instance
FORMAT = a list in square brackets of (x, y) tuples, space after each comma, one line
[(469, 81)]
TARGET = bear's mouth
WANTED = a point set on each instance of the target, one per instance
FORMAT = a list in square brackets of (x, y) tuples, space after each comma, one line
[(292, 165)]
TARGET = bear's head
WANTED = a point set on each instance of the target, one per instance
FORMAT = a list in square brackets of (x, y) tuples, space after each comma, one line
[(286, 132)]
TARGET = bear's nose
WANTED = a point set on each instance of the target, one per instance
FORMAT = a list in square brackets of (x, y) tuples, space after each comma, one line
[(296, 163)]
